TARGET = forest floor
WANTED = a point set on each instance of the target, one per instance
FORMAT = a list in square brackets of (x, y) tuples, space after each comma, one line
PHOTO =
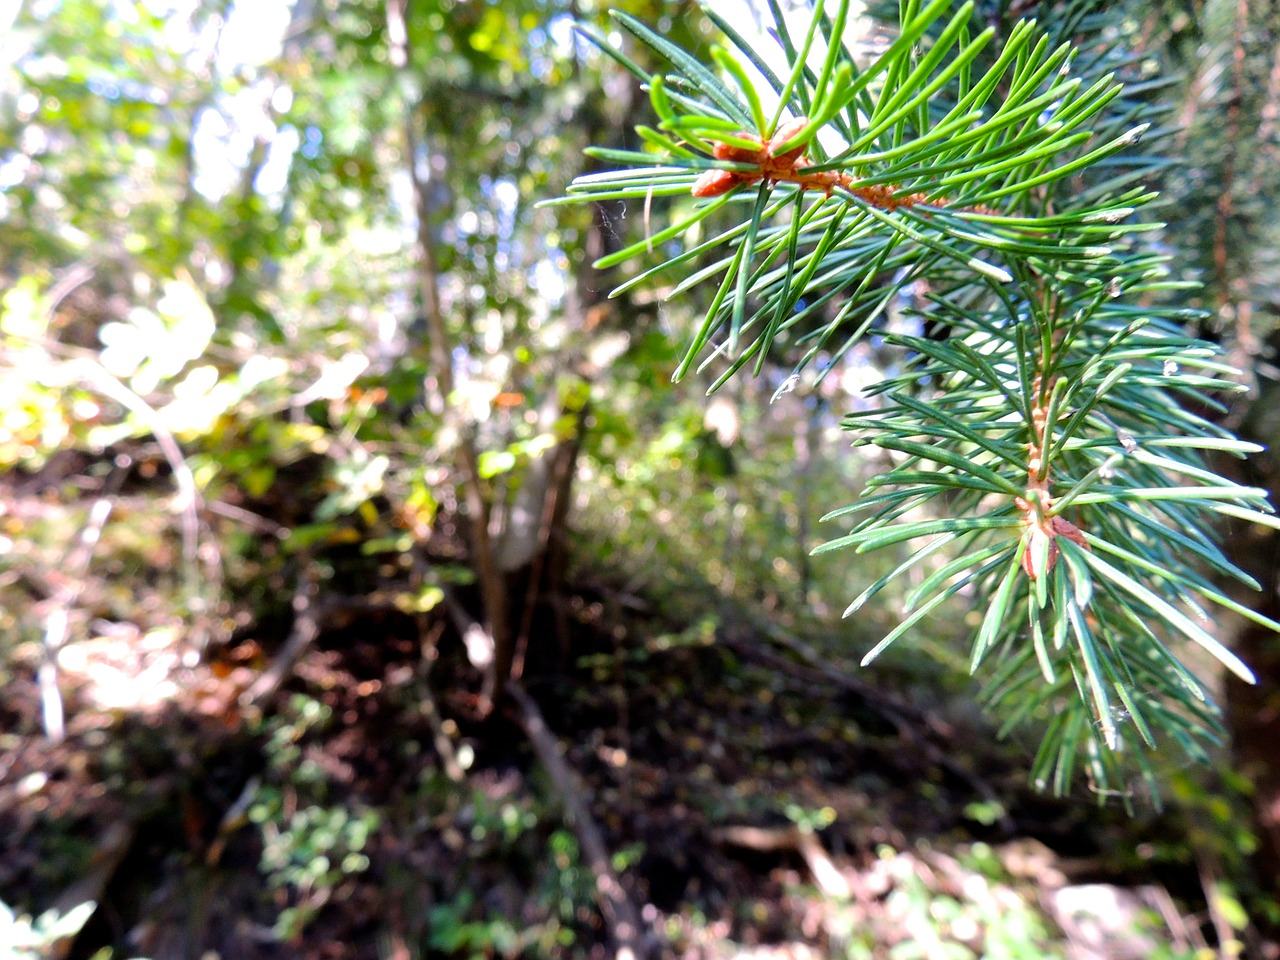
[(756, 800)]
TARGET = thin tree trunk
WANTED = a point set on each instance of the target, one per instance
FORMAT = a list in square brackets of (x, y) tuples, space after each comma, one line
[(492, 585)]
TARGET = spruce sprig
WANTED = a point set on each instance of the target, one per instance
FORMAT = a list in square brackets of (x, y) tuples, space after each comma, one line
[(1050, 448)]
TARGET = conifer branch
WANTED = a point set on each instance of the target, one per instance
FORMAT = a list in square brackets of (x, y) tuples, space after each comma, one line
[(1050, 446)]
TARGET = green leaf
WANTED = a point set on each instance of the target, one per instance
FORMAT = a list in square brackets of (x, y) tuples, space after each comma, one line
[(1171, 615), (962, 464), (998, 610), (703, 79), (734, 69)]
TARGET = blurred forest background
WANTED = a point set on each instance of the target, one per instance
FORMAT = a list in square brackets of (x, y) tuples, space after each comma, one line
[(367, 589)]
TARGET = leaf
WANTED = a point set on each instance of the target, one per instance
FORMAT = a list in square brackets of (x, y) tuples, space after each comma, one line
[(704, 80), (1172, 616), (997, 611)]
